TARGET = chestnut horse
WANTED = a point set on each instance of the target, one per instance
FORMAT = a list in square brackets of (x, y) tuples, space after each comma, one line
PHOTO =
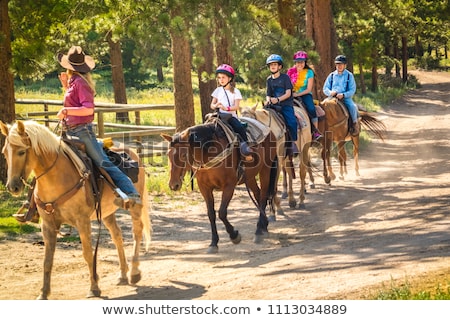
[(275, 122), (335, 127), (216, 163), (68, 199)]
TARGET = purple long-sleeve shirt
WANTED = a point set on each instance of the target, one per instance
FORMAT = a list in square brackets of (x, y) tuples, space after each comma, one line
[(78, 94)]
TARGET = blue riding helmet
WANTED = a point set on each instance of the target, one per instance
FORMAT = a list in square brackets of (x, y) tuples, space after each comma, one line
[(274, 58)]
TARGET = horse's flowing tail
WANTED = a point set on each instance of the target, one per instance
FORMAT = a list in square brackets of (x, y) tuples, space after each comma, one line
[(373, 125)]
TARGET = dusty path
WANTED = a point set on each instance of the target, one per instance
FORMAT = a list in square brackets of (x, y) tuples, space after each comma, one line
[(391, 222)]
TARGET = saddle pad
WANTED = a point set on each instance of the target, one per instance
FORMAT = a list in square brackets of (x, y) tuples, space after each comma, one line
[(256, 131), (79, 164), (302, 117)]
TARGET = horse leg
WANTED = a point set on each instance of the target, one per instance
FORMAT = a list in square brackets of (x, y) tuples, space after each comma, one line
[(49, 235), (261, 194), (138, 226), (276, 198), (355, 141), (116, 236), (290, 169), (208, 196), (342, 154), (328, 174), (284, 193), (84, 229), (304, 167), (227, 194)]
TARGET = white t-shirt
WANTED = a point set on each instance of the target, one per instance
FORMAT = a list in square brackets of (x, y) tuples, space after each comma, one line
[(219, 94)]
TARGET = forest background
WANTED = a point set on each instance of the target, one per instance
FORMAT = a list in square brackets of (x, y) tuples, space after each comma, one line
[(136, 42)]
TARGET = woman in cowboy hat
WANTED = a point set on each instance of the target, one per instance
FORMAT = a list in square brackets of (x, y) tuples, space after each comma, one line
[(78, 113)]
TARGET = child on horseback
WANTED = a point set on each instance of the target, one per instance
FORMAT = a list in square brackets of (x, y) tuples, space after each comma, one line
[(226, 100), (302, 78), (341, 85), (279, 93), (78, 113)]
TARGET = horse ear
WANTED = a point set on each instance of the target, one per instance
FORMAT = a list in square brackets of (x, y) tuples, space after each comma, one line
[(20, 127), (255, 106), (4, 128), (166, 137)]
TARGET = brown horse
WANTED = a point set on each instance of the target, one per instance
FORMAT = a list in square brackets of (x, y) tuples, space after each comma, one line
[(269, 118), (68, 199), (335, 127), (206, 150)]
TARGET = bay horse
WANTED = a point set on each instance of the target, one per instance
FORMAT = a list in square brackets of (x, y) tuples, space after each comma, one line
[(68, 199), (275, 122), (216, 164), (335, 126)]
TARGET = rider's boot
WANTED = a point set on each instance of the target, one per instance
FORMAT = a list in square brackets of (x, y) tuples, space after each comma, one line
[(246, 151)]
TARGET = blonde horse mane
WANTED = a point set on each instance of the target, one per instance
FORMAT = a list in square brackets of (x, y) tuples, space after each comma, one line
[(42, 140)]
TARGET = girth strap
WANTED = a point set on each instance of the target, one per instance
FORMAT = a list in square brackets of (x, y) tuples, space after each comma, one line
[(49, 207)]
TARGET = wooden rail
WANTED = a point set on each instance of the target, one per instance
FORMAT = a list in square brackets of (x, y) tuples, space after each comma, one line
[(129, 130)]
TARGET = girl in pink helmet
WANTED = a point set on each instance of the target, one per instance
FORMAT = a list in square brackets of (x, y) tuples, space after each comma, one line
[(302, 78), (226, 99)]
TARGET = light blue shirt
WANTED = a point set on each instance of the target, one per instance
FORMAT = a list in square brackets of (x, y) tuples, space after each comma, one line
[(341, 83)]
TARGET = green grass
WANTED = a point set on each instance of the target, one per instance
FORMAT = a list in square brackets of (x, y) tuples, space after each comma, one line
[(9, 227), (418, 291)]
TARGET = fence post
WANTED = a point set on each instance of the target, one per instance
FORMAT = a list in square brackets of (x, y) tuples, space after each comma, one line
[(46, 117), (100, 124)]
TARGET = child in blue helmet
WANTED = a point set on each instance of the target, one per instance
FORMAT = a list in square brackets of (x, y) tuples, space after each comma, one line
[(341, 85), (279, 92)]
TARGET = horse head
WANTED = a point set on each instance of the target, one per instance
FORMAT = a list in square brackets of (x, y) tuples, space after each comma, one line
[(178, 158), (15, 151)]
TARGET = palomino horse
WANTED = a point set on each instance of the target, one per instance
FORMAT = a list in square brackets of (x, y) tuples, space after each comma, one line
[(336, 129), (206, 150), (269, 118), (67, 198)]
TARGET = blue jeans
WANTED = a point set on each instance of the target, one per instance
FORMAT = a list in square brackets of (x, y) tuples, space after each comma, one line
[(308, 101), (352, 108), (290, 120), (95, 151)]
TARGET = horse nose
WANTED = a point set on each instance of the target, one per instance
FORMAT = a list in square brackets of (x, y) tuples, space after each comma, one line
[(174, 186), (15, 187)]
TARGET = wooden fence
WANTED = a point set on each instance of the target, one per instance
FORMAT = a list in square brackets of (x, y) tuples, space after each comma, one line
[(129, 130)]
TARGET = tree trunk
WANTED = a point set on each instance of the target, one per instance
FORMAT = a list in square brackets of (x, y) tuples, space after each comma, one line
[(206, 86), (321, 30), (118, 78), (286, 15), (7, 102), (160, 74), (181, 55), (404, 59), (222, 36), (361, 78)]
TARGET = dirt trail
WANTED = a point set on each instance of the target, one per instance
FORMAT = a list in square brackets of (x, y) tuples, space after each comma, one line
[(391, 222)]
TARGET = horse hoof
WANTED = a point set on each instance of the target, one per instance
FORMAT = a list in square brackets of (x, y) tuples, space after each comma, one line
[(94, 293), (237, 240), (213, 249), (41, 297), (302, 206), (280, 212), (284, 195), (122, 282), (135, 278), (272, 218), (327, 180), (312, 186), (292, 204), (259, 238)]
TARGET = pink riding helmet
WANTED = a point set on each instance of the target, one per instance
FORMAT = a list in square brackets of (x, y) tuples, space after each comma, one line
[(300, 56), (227, 69)]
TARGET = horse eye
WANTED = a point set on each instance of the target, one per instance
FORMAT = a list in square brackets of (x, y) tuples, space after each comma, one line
[(22, 152)]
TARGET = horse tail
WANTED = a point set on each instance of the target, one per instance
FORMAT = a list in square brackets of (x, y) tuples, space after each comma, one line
[(145, 218), (373, 125)]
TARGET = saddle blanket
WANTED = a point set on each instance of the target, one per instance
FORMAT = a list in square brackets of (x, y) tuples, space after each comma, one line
[(256, 131)]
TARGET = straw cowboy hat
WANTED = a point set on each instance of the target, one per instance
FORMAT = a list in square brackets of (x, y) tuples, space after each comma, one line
[(76, 60)]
